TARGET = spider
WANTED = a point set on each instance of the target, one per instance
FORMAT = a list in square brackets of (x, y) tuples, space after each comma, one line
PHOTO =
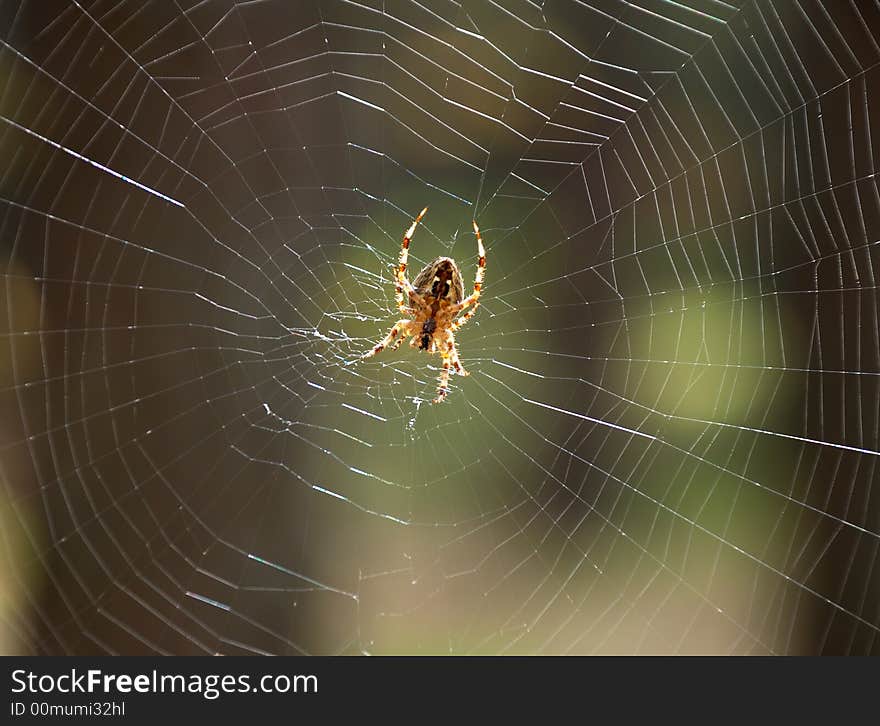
[(434, 301)]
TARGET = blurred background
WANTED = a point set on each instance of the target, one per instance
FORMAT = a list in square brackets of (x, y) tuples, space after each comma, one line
[(669, 440)]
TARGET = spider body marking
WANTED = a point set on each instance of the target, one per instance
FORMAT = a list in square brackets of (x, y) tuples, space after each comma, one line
[(432, 305)]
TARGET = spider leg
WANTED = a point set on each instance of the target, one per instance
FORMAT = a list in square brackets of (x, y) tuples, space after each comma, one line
[(396, 344), (401, 328), (443, 388), (474, 298), (403, 283), (458, 322), (453, 354)]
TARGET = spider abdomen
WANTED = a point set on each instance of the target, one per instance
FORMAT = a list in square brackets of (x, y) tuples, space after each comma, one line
[(440, 280)]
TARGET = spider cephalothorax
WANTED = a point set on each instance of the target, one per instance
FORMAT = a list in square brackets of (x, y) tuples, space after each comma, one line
[(434, 302)]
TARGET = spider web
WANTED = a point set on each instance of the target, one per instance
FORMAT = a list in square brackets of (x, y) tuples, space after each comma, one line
[(669, 439)]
